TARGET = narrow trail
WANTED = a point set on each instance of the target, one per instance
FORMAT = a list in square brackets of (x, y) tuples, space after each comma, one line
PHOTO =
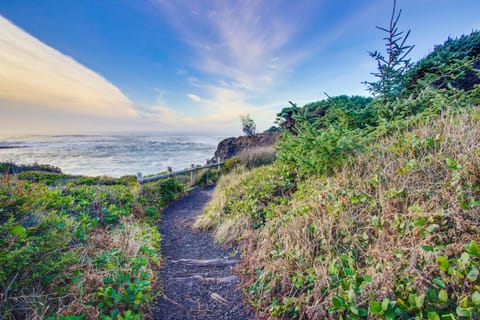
[(197, 274)]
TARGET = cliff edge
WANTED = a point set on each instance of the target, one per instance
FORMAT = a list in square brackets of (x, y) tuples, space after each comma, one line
[(232, 146)]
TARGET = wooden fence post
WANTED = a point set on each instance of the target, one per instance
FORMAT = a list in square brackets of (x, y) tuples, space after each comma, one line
[(192, 176)]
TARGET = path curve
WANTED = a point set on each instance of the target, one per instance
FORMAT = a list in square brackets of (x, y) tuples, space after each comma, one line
[(192, 291)]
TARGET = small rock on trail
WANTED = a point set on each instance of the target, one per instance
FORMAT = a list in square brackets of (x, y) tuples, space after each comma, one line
[(198, 289)]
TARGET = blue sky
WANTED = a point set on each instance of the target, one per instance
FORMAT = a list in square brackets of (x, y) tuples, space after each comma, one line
[(194, 66)]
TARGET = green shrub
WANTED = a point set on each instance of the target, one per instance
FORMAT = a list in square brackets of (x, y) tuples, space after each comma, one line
[(162, 191), (12, 168), (342, 111), (231, 164), (208, 176), (443, 59)]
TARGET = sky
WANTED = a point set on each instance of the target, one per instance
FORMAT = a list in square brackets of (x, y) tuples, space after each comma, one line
[(193, 67)]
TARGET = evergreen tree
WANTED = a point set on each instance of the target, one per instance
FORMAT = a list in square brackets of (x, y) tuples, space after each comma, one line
[(248, 125), (393, 66)]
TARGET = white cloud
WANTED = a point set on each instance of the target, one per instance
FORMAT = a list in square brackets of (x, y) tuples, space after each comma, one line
[(34, 74), (194, 97), (220, 112)]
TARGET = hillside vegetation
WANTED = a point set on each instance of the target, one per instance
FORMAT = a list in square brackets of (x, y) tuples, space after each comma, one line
[(77, 247), (372, 208)]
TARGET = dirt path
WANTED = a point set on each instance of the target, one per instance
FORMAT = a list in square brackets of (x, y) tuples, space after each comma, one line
[(193, 291)]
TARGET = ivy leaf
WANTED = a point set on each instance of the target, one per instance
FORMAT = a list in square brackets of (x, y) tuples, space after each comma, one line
[(73, 317), (427, 248), (118, 298), (464, 312), (472, 275), (443, 296), (376, 308), (473, 249), (443, 261), (476, 298), (439, 283), (338, 303), (354, 310), (419, 300), (362, 312), (385, 304), (452, 164), (432, 315), (19, 231)]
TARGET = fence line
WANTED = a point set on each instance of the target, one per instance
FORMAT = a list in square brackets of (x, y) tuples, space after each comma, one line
[(171, 173)]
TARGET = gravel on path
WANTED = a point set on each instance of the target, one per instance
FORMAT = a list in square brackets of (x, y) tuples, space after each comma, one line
[(192, 291)]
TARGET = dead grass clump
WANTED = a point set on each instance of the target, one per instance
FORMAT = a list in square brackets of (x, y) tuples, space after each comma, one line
[(256, 157), (213, 213), (107, 255)]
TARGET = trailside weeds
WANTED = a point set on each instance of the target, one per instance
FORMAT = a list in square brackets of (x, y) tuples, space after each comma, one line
[(78, 247)]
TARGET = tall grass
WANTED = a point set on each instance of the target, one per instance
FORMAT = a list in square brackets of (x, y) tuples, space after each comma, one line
[(256, 157)]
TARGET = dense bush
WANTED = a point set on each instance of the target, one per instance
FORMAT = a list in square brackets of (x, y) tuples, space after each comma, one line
[(342, 111), (455, 57), (12, 168)]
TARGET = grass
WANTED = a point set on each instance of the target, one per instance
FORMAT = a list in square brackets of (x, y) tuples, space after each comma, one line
[(256, 157), (391, 234)]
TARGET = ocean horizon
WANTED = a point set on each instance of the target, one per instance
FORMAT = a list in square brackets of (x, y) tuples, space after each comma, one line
[(111, 155)]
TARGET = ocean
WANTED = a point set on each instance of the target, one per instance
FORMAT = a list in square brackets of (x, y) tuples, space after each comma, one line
[(110, 155)]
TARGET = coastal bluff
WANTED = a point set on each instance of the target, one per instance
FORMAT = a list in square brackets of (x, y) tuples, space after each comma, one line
[(230, 147)]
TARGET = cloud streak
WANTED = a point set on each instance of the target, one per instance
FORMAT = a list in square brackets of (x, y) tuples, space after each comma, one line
[(34, 74), (241, 49), (243, 43)]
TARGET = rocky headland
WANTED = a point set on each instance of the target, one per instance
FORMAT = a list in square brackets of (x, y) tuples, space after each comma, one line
[(230, 147)]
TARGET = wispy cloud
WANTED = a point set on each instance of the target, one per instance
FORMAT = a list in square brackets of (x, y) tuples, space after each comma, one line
[(220, 112), (34, 74), (240, 49), (194, 97), (243, 50), (241, 42)]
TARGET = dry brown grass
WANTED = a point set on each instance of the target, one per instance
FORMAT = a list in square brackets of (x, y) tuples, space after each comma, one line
[(127, 241), (367, 210), (255, 157), (213, 218)]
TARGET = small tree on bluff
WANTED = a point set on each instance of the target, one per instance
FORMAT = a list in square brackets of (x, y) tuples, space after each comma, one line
[(393, 67), (248, 125)]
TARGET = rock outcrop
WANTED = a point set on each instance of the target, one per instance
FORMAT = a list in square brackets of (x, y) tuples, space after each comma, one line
[(232, 146)]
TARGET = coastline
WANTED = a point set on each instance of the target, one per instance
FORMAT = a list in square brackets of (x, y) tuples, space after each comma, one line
[(13, 147)]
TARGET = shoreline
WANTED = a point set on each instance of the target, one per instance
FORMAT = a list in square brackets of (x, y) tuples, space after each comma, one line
[(13, 147)]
